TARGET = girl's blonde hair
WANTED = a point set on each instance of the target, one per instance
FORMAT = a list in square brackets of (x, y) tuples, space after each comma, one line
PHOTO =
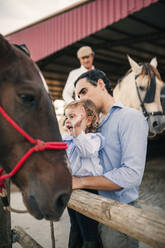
[(91, 111)]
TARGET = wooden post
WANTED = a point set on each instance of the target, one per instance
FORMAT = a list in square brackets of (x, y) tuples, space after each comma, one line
[(5, 224), (24, 239), (142, 225)]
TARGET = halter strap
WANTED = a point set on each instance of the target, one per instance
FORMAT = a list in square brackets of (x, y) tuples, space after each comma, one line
[(145, 113), (39, 145)]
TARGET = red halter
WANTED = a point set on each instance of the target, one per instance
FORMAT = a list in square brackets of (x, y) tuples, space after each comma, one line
[(39, 145)]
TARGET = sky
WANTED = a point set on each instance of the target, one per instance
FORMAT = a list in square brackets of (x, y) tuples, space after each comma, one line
[(15, 14)]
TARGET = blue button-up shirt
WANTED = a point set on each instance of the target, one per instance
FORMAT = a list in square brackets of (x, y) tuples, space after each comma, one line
[(124, 154)]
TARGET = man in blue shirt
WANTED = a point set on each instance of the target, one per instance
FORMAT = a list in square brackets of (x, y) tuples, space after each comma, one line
[(124, 154)]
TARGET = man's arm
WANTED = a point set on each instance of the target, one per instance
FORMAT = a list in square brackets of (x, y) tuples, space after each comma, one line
[(133, 131), (93, 182)]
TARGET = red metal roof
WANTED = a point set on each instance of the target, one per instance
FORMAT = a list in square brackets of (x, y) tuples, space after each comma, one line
[(62, 30)]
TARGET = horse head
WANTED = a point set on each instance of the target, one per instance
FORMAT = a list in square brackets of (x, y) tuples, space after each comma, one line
[(144, 85), (44, 178)]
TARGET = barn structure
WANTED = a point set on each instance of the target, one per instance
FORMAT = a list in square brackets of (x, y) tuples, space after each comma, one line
[(113, 28)]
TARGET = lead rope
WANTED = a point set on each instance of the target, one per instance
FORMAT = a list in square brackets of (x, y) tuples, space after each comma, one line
[(52, 234)]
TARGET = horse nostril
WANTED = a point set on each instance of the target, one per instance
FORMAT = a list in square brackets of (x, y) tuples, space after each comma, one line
[(34, 207), (155, 124), (62, 200)]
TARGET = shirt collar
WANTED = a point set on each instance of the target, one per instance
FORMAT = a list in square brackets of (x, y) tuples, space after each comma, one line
[(85, 69), (114, 106), (117, 105)]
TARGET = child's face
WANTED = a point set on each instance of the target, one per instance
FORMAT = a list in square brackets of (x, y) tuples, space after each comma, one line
[(75, 115)]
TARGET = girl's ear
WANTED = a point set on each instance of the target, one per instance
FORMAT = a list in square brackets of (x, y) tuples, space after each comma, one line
[(89, 120)]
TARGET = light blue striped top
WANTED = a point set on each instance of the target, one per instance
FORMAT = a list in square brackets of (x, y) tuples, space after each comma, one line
[(82, 153)]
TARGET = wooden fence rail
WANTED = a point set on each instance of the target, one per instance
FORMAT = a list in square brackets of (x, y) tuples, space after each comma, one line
[(144, 226), (24, 239)]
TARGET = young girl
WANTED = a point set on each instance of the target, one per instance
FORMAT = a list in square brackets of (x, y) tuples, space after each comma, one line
[(83, 148)]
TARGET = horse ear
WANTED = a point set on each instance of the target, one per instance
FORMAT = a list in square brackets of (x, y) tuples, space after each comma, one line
[(154, 62), (4, 45), (6, 51), (135, 67)]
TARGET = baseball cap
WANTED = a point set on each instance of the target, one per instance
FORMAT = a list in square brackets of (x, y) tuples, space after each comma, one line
[(84, 51)]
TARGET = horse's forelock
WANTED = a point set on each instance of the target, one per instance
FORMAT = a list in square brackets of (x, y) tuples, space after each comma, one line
[(150, 71), (147, 69)]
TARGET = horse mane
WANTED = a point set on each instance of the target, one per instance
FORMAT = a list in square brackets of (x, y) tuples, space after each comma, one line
[(121, 79)]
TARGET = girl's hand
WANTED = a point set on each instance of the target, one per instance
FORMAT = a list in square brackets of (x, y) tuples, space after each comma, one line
[(79, 118), (80, 122), (77, 121), (79, 125)]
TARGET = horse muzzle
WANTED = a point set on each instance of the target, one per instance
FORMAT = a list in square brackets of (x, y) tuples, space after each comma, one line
[(49, 210), (156, 123)]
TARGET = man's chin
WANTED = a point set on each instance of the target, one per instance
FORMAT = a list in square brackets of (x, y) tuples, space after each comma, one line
[(87, 67)]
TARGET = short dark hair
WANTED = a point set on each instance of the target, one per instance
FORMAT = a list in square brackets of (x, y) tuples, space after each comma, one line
[(93, 76)]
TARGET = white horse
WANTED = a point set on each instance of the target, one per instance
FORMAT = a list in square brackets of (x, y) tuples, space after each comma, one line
[(140, 88)]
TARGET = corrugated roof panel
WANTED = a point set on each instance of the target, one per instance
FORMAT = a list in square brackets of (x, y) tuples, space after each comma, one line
[(57, 32)]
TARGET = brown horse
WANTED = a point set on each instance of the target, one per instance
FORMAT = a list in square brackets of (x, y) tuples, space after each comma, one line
[(141, 88), (44, 178)]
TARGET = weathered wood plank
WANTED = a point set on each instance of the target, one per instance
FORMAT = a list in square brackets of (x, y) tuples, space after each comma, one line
[(145, 226), (5, 223), (24, 239)]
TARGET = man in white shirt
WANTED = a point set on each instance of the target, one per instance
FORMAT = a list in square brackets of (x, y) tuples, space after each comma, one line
[(86, 56)]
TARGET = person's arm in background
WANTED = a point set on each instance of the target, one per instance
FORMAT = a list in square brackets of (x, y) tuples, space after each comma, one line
[(67, 93)]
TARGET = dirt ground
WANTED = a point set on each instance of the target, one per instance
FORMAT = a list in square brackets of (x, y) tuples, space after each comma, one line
[(40, 230)]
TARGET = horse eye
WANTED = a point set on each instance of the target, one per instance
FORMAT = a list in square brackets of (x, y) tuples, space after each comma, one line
[(141, 88), (27, 98)]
